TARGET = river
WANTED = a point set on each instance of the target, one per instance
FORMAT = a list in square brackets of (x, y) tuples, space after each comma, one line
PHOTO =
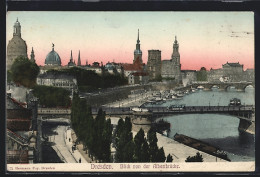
[(218, 130)]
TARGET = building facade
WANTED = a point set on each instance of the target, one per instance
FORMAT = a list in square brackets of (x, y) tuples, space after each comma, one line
[(188, 76), (138, 78), (172, 68), (21, 141), (230, 72), (57, 80), (154, 64), (16, 46)]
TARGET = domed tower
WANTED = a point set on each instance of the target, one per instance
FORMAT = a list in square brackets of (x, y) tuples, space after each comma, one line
[(53, 58), (16, 46), (138, 52)]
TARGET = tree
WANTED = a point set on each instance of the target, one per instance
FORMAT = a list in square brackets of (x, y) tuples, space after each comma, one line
[(124, 141), (153, 148), (24, 72), (139, 141), (107, 139), (160, 156), (169, 158), (196, 158), (52, 96), (145, 156), (158, 78)]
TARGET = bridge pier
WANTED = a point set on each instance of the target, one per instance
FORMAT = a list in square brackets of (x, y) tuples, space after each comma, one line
[(246, 126), (141, 120)]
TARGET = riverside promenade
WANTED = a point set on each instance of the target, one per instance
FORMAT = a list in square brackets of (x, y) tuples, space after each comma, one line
[(132, 100)]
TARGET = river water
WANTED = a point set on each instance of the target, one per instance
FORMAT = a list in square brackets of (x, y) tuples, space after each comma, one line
[(218, 130)]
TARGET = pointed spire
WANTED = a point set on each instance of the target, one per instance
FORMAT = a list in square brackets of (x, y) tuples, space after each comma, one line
[(32, 55), (79, 61), (175, 40), (138, 41), (71, 58), (17, 19), (52, 47)]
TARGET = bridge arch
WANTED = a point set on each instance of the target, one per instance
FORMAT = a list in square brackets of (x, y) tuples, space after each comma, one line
[(226, 86), (249, 84)]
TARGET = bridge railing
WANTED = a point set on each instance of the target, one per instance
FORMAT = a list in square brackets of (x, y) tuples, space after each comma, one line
[(54, 111)]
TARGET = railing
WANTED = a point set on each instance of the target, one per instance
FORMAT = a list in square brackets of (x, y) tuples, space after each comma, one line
[(16, 138), (59, 111)]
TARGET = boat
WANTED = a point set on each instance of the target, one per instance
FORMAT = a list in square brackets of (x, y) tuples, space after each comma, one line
[(193, 90), (201, 146), (235, 102), (180, 95), (200, 87)]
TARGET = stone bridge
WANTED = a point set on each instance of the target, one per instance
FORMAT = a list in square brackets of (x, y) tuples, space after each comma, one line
[(223, 85)]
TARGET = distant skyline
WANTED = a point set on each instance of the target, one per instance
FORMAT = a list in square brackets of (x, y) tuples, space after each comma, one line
[(207, 39)]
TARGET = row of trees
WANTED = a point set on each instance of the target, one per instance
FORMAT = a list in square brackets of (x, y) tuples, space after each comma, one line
[(90, 81), (137, 149), (95, 134), (52, 96)]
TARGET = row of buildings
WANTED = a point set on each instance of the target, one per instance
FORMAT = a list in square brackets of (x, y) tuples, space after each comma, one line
[(137, 72)]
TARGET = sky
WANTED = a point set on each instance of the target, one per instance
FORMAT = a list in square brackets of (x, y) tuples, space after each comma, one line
[(207, 39)]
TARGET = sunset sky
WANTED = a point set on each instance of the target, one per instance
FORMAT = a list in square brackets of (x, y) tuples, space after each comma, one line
[(207, 39)]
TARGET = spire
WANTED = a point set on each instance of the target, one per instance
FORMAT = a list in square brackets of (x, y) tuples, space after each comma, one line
[(175, 49), (175, 40), (71, 58), (32, 56), (17, 28), (52, 47), (79, 61), (138, 41)]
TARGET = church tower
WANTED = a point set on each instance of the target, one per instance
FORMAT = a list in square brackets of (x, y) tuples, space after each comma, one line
[(79, 61), (138, 52), (175, 53), (32, 56), (172, 68), (16, 46)]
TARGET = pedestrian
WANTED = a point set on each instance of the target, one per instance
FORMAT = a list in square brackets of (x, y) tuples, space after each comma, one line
[(79, 160), (69, 139)]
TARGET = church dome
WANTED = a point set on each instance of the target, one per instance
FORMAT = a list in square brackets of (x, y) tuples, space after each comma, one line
[(53, 58)]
